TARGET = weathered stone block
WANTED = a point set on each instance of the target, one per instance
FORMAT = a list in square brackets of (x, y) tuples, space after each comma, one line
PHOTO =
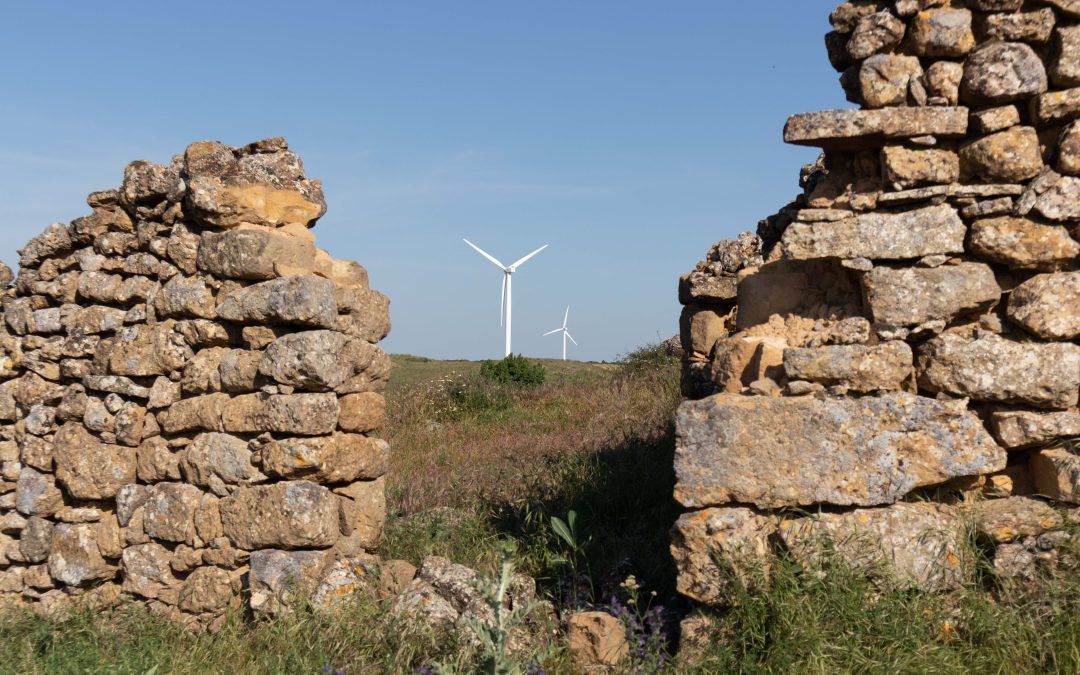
[(1026, 428), (839, 129), (737, 535), (994, 368), (306, 300), (919, 545), (911, 296), (255, 253), (932, 230), (883, 367), (1048, 305), (1022, 243), (288, 515), (1056, 473), (862, 452), (299, 414), (339, 458)]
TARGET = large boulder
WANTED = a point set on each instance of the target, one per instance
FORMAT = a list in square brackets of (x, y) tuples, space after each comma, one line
[(863, 452)]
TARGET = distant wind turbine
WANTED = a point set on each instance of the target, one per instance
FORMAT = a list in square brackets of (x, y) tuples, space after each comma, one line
[(505, 303), (565, 333)]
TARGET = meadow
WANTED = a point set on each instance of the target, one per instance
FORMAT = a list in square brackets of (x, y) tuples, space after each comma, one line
[(480, 467)]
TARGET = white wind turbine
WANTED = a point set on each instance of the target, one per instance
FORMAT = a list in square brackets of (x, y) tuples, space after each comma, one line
[(508, 271), (565, 333)]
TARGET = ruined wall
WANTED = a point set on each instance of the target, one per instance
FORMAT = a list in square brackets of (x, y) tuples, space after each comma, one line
[(189, 392), (889, 360)]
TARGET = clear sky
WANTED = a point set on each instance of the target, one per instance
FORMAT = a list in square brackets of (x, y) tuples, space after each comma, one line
[(628, 135)]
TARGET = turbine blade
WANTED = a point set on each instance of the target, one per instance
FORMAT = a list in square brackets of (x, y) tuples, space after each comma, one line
[(571, 337), (551, 332), (520, 262), (485, 254), (502, 301), (567, 317)]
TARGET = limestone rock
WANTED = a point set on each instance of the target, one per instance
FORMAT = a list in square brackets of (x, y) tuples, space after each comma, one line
[(1034, 26), (1048, 305), (875, 33), (1056, 473), (339, 458), (218, 456), (1025, 428), (299, 414), (862, 452), (991, 120), (943, 81), (255, 253), (88, 468), (362, 513), (278, 577), (288, 515), (861, 368), (146, 350), (147, 573), (1008, 156), (1000, 72), (738, 535), (879, 236), (1065, 69), (183, 297), (307, 300), (1022, 243), (208, 589), (942, 32), (994, 368), (361, 412), (1061, 201), (917, 545), (1005, 520), (169, 512), (1056, 106), (858, 128), (703, 288), (318, 360), (912, 296), (908, 168), (74, 558), (596, 638), (267, 189), (885, 79)]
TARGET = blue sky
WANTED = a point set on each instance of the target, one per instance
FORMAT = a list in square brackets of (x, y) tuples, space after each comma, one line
[(629, 136)]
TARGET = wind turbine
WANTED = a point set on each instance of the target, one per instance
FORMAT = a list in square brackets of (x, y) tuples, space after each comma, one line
[(506, 299), (565, 333)]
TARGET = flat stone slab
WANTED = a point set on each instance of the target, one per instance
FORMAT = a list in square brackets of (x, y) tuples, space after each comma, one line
[(864, 452), (993, 368), (858, 367), (846, 128), (932, 230)]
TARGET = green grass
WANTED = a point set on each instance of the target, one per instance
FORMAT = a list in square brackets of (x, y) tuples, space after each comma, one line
[(477, 466)]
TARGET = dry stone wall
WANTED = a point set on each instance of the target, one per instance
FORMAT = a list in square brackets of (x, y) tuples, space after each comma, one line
[(190, 393), (892, 359)]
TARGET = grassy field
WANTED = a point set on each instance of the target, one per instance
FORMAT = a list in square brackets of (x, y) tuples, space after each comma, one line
[(479, 467)]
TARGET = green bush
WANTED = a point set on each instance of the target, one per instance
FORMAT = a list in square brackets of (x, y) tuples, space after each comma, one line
[(514, 369), (650, 358)]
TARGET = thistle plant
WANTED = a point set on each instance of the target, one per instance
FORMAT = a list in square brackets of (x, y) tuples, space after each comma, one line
[(644, 623)]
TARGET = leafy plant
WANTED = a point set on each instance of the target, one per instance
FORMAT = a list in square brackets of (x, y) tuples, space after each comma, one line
[(575, 556), (514, 369)]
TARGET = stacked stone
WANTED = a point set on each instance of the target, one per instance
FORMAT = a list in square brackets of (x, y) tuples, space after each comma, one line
[(902, 338), (190, 392)]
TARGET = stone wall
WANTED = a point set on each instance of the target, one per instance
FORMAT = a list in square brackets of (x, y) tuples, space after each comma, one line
[(892, 359), (189, 395)]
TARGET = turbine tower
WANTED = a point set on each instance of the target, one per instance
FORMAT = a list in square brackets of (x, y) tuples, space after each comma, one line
[(505, 303), (565, 333)]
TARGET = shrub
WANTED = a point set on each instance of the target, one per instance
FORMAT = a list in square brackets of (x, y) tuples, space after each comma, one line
[(514, 369), (649, 358)]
